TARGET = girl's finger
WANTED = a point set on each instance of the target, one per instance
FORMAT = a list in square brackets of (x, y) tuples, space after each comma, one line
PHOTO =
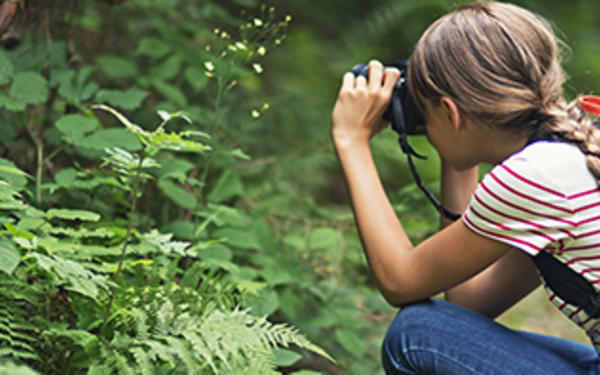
[(375, 74), (360, 82), (390, 77), (348, 81)]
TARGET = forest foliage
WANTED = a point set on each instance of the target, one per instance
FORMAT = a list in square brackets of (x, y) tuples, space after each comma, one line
[(169, 199)]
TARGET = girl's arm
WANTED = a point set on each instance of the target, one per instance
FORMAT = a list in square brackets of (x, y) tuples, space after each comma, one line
[(502, 284), (404, 273)]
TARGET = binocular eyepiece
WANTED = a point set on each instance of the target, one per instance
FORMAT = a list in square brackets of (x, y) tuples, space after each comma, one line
[(402, 112)]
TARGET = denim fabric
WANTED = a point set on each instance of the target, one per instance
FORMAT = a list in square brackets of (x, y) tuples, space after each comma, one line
[(438, 337)]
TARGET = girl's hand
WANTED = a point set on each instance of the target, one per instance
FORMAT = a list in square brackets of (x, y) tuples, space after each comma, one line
[(357, 113)]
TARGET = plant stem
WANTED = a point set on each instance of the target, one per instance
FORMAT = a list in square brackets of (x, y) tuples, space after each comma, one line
[(39, 149), (126, 240)]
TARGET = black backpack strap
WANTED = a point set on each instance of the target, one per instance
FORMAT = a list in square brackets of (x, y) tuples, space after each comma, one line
[(570, 286)]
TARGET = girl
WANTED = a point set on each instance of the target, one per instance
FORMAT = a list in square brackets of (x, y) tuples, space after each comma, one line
[(487, 79)]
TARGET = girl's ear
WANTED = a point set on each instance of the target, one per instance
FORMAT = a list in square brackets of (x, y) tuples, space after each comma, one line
[(453, 113)]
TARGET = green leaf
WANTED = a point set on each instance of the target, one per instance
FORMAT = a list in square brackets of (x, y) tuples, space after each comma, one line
[(75, 86), (6, 69), (117, 67), (177, 194), (228, 186), (170, 92), (10, 173), (197, 78), (130, 99), (324, 238), (10, 104), (350, 341), (284, 357), (168, 69), (152, 47), (114, 137), (9, 256), (75, 126), (29, 88), (67, 214)]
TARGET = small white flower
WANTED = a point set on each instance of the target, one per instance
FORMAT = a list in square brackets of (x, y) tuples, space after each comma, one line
[(257, 68), (258, 22), (209, 66), (261, 50), (240, 45), (255, 113)]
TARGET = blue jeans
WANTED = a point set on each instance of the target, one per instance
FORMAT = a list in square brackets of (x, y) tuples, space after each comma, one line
[(438, 337)]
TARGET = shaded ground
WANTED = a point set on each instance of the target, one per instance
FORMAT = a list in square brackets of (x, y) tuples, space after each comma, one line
[(536, 314)]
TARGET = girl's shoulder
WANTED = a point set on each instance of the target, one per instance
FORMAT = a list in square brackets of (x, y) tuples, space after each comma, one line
[(558, 165)]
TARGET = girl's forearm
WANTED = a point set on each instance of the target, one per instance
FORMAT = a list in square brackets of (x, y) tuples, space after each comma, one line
[(457, 188), (384, 240)]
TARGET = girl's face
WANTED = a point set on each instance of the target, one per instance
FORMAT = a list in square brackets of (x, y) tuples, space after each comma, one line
[(448, 133)]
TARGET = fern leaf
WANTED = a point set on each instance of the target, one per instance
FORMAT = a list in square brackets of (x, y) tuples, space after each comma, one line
[(143, 361)]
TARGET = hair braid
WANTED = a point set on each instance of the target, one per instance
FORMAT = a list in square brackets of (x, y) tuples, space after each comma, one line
[(570, 123)]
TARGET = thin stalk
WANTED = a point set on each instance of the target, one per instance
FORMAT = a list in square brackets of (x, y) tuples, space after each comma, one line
[(204, 175), (126, 241), (39, 149)]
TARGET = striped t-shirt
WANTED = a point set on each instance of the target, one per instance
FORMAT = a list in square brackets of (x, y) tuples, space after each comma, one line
[(544, 198)]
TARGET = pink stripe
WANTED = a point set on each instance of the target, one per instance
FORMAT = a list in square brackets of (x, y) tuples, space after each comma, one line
[(472, 209), (574, 260), (532, 183), (574, 313), (583, 193), (587, 234), (524, 209), (536, 248), (574, 248), (586, 207), (538, 201), (582, 323), (591, 219)]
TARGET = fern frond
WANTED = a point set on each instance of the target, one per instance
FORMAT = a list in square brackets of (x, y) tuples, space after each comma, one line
[(143, 360)]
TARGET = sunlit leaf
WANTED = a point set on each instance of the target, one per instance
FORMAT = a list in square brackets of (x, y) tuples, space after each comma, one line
[(9, 256), (130, 99)]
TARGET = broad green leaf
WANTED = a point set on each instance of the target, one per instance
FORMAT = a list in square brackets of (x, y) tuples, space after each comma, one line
[(130, 99), (237, 237), (110, 138), (306, 372), (75, 86), (68, 214), (324, 238), (29, 88), (228, 186), (197, 78), (167, 69), (10, 173), (177, 194), (75, 126), (350, 341), (170, 92), (262, 304), (152, 47), (10, 104), (9, 256), (6, 69), (284, 357), (117, 67)]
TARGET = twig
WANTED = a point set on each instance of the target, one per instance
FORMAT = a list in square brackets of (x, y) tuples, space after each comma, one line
[(126, 240)]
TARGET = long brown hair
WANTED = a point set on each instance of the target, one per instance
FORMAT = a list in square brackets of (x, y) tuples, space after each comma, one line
[(501, 64)]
